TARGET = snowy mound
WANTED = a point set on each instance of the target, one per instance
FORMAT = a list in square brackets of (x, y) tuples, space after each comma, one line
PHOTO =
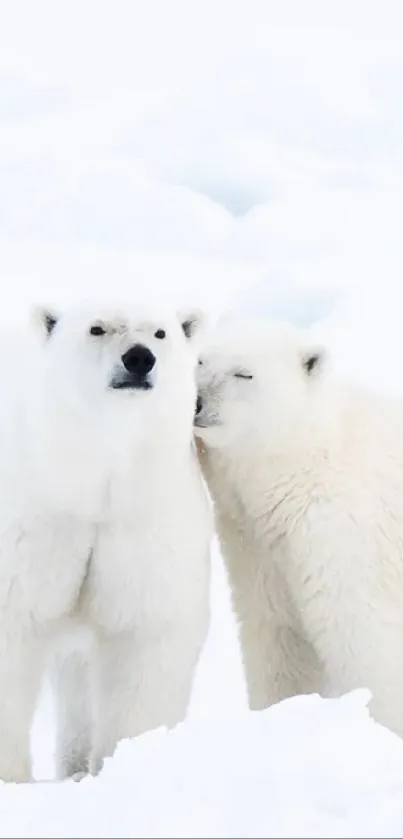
[(306, 767)]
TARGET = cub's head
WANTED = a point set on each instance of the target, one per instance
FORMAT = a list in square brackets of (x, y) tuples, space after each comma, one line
[(255, 381), (98, 352)]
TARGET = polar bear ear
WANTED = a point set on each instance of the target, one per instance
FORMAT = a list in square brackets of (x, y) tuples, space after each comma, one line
[(191, 322), (45, 319), (314, 360)]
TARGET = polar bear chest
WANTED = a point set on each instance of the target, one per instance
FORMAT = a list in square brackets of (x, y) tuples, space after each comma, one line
[(151, 570)]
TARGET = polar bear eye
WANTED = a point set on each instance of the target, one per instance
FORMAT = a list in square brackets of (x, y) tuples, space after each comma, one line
[(160, 333), (243, 375), (96, 329)]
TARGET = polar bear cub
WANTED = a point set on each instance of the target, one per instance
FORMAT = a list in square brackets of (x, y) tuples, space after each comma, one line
[(306, 474), (104, 524)]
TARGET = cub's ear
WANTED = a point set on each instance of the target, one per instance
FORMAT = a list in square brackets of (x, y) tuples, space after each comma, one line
[(44, 319), (191, 322), (314, 360)]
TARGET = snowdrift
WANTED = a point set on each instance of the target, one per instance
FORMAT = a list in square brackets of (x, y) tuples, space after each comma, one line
[(307, 767)]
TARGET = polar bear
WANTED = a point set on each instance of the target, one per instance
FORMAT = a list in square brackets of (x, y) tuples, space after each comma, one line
[(306, 475), (105, 527)]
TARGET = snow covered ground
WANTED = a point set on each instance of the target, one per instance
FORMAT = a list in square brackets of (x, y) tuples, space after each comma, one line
[(242, 153), (308, 767)]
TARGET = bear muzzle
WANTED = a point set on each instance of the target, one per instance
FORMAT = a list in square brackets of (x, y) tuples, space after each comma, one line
[(137, 371)]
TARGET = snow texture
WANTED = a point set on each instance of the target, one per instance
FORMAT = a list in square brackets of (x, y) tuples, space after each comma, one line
[(306, 767)]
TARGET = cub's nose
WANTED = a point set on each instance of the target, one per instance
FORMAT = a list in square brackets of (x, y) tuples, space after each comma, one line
[(138, 359), (199, 405)]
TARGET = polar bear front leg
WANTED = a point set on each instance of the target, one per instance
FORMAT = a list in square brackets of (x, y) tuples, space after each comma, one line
[(21, 669), (72, 681), (362, 650), (278, 661), (145, 682), (351, 605)]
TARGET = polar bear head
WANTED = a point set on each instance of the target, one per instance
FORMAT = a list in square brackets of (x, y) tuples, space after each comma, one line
[(112, 356), (255, 379)]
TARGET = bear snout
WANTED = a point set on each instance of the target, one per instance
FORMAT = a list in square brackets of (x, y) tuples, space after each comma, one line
[(138, 359), (199, 405)]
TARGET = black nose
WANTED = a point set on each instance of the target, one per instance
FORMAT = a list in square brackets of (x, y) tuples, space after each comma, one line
[(138, 359), (199, 405)]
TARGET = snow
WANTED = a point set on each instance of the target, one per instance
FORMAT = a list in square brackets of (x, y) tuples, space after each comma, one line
[(204, 148), (307, 767), (231, 154)]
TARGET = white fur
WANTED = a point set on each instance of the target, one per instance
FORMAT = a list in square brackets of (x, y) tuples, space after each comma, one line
[(306, 474), (104, 524)]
